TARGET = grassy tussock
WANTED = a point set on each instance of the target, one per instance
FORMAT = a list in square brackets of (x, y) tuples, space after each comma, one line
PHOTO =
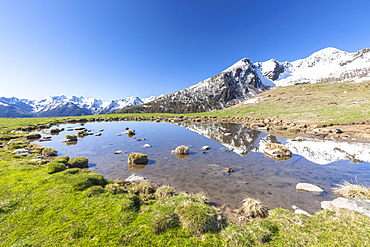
[(252, 208), (346, 189), (198, 217), (164, 192)]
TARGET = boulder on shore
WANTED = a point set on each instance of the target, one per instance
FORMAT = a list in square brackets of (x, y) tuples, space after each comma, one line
[(21, 151), (134, 177), (359, 205)]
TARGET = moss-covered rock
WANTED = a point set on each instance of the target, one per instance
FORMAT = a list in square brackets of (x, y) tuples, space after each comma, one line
[(63, 159), (78, 162), (49, 152), (137, 158), (54, 167)]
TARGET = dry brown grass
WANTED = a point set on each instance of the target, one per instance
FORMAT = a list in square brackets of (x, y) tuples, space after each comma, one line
[(253, 208), (347, 189), (164, 192)]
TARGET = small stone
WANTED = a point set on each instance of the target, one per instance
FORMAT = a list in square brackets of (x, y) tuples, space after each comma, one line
[(337, 131), (300, 211), (97, 134), (206, 147), (306, 187), (118, 152), (147, 146), (134, 177), (21, 151), (228, 170)]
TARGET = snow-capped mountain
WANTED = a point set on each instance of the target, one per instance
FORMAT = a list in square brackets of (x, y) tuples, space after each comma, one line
[(326, 65), (245, 79), (233, 85), (53, 106)]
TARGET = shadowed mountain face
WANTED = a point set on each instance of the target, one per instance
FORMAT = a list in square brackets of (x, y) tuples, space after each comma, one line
[(237, 83)]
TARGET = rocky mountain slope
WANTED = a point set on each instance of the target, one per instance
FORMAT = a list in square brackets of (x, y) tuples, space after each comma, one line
[(55, 106), (245, 79), (233, 85)]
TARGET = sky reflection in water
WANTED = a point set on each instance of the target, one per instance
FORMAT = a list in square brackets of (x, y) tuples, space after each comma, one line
[(322, 163)]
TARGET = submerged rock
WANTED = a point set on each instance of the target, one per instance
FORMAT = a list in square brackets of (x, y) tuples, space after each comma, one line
[(69, 138), (228, 170), (306, 187), (359, 205)]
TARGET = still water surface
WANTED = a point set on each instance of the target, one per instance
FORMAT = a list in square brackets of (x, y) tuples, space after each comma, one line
[(273, 182)]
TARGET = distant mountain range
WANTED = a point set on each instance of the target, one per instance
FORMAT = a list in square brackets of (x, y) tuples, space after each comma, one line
[(55, 106), (245, 79), (236, 84)]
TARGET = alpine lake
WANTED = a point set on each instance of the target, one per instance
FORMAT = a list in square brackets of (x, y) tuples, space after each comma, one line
[(323, 163)]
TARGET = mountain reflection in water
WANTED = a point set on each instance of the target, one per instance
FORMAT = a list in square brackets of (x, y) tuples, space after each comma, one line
[(242, 140), (255, 175)]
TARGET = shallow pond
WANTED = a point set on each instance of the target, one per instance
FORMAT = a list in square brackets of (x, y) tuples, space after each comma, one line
[(273, 182)]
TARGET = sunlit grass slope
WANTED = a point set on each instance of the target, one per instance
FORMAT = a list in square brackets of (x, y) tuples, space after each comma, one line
[(308, 103)]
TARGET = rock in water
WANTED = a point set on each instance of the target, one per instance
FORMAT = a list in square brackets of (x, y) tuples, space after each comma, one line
[(306, 187), (206, 147), (277, 150)]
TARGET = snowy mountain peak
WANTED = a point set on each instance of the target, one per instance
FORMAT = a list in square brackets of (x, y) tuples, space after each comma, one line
[(64, 106), (326, 65), (242, 63)]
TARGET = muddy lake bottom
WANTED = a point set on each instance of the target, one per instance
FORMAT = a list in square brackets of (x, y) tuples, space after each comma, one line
[(273, 182)]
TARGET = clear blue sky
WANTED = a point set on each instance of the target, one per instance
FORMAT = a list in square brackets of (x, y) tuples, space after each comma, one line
[(114, 49)]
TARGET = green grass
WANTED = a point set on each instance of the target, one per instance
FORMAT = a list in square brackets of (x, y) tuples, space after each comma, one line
[(74, 207), (41, 205), (321, 103)]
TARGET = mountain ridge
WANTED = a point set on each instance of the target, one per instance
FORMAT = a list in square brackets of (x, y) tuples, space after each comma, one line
[(61, 105), (245, 79)]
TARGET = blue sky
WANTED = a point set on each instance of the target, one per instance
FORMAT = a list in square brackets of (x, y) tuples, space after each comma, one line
[(116, 49)]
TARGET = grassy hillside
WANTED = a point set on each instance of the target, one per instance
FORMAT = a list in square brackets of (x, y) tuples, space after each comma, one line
[(308, 103)]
